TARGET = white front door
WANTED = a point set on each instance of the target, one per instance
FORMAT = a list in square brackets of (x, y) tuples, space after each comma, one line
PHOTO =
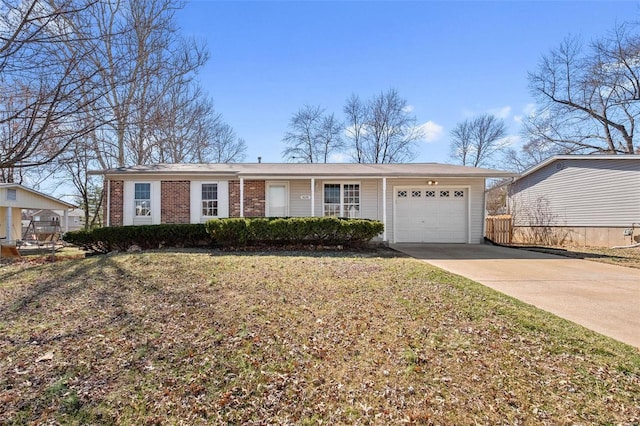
[(277, 199)]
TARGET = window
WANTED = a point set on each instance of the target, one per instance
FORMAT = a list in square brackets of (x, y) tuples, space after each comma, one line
[(430, 194), (142, 199), (342, 199), (209, 199), (416, 194), (402, 194), (12, 195), (444, 194), (458, 194)]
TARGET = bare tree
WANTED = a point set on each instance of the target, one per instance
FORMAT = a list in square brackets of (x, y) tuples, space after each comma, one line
[(589, 96), (42, 77), (312, 136), (225, 146), (382, 129), (478, 141), (356, 114)]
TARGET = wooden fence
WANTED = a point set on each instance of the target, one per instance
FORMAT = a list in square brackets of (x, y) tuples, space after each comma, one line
[(499, 229)]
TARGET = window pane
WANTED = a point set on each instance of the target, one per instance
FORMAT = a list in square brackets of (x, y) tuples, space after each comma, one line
[(143, 208), (209, 208), (209, 191), (332, 193), (143, 191)]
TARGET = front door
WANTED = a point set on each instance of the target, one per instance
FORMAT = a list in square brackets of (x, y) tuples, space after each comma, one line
[(277, 199)]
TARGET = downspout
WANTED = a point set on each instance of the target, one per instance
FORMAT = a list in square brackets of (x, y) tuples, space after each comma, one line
[(108, 218)]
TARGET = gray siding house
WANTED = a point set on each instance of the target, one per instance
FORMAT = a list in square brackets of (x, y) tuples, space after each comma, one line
[(416, 202), (586, 200)]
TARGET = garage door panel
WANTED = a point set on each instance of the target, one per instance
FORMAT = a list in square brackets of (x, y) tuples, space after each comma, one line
[(425, 214)]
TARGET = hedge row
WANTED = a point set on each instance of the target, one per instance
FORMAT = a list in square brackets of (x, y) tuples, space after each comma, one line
[(231, 232), (239, 232), (104, 240)]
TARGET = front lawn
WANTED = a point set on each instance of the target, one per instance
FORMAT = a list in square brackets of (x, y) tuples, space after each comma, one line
[(294, 338)]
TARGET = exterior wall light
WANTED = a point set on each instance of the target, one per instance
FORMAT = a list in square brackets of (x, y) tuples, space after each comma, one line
[(432, 182)]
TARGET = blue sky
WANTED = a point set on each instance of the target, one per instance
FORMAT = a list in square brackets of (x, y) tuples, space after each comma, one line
[(449, 60)]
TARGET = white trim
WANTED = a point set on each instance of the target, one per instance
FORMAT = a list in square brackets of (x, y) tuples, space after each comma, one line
[(342, 183), (313, 197), (128, 204), (108, 218), (467, 189), (195, 200), (267, 184), (384, 208)]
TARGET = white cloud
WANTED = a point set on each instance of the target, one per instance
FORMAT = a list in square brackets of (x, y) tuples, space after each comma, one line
[(408, 109), (527, 111), (502, 112), (432, 131), (338, 157)]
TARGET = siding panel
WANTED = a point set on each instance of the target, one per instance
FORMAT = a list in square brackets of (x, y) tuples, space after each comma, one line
[(579, 192)]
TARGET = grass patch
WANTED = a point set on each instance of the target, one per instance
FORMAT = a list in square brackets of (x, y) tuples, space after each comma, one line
[(324, 338)]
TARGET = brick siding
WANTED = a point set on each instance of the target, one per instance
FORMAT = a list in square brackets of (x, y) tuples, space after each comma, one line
[(254, 198), (116, 203), (175, 204)]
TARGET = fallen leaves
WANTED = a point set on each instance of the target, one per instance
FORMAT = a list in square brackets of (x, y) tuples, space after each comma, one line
[(191, 338)]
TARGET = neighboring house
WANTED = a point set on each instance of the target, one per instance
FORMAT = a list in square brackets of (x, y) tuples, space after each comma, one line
[(591, 200), (416, 202), (76, 217), (14, 198)]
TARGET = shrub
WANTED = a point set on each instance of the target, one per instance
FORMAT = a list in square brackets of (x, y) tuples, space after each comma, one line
[(104, 240), (239, 232)]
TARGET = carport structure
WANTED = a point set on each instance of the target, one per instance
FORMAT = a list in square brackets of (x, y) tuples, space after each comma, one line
[(14, 198)]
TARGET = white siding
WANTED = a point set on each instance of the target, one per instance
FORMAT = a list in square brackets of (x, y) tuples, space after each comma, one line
[(476, 203), (195, 207), (579, 192), (300, 198), (128, 194)]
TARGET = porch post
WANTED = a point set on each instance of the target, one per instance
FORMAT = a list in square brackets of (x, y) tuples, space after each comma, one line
[(66, 220), (313, 197), (384, 208), (241, 197), (9, 219)]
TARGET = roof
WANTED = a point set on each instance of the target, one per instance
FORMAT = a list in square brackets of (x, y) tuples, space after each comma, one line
[(60, 203), (305, 170), (578, 157)]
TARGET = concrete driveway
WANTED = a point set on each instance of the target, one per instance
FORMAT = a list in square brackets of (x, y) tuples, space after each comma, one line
[(604, 298)]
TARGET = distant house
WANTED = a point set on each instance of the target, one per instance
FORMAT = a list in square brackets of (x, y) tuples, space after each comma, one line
[(586, 200), (76, 217), (416, 202), (14, 198)]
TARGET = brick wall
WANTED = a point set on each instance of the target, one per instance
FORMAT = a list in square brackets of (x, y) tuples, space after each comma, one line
[(175, 204), (115, 203), (254, 198)]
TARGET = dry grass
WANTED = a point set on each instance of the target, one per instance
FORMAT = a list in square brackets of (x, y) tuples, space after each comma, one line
[(195, 338), (623, 257)]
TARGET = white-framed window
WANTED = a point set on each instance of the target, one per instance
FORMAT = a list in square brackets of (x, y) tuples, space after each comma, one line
[(142, 199), (12, 194), (342, 199), (209, 199)]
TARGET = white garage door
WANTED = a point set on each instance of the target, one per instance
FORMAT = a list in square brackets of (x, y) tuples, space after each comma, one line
[(431, 215)]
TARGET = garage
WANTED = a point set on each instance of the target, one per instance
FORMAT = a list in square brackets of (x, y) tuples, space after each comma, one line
[(431, 215)]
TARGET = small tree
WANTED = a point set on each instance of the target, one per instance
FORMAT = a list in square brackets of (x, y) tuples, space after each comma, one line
[(312, 136), (381, 130), (477, 142)]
